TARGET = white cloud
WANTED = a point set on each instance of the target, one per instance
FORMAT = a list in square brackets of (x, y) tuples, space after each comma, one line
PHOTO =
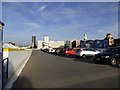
[(37, 9), (32, 25), (42, 8), (101, 31), (53, 13), (61, 13)]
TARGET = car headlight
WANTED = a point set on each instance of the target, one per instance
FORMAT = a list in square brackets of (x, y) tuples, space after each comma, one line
[(105, 56)]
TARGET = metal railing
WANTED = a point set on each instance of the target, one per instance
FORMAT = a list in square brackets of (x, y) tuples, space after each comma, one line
[(5, 63)]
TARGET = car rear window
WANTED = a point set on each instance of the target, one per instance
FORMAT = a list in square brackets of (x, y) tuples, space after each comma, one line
[(86, 50), (89, 50), (77, 50)]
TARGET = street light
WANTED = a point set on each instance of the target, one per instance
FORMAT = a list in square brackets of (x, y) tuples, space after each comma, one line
[(85, 39), (1, 52), (77, 35)]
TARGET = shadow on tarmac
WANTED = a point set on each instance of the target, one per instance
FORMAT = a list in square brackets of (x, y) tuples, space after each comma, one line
[(22, 82), (17, 81), (86, 60), (9, 77), (91, 61)]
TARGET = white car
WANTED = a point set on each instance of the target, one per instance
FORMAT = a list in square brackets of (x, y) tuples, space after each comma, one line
[(86, 52), (51, 50)]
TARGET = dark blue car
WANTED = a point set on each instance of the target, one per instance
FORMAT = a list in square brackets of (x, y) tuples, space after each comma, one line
[(111, 55)]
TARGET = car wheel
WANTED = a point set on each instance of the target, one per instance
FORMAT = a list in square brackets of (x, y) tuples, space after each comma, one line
[(67, 54), (77, 56), (84, 56), (113, 61), (96, 62)]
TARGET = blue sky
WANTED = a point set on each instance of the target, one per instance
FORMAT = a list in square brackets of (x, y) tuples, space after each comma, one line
[(60, 20)]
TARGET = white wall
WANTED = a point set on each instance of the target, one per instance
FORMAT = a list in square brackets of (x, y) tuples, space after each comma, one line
[(17, 60)]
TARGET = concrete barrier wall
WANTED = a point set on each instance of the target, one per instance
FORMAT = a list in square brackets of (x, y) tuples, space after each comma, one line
[(17, 61)]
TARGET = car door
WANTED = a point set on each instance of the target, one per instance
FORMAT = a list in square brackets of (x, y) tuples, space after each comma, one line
[(118, 55), (87, 52), (91, 52), (84, 52), (94, 52)]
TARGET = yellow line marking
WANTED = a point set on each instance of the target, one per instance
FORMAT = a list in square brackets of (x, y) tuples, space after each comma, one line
[(12, 49)]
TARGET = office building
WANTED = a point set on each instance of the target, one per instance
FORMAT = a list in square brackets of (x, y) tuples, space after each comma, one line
[(56, 44), (40, 44), (117, 42), (34, 42), (46, 43), (110, 39)]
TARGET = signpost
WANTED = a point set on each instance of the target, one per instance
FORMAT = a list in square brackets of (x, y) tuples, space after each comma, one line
[(1, 51)]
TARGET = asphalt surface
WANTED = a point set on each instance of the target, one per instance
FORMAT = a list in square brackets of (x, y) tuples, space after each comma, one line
[(45, 70)]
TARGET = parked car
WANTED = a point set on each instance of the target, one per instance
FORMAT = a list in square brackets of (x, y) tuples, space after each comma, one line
[(51, 50), (111, 55), (70, 51), (62, 51), (45, 49), (57, 50), (84, 52)]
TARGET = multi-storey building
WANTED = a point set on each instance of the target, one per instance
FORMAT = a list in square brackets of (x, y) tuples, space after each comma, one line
[(40, 44), (110, 39), (34, 42), (46, 41), (117, 42), (75, 43)]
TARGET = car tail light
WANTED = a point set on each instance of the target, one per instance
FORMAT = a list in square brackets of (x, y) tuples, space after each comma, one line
[(81, 50), (66, 51)]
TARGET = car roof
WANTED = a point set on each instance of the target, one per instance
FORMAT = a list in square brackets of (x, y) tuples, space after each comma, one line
[(115, 47), (88, 48)]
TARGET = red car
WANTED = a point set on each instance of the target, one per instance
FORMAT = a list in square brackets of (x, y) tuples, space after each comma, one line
[(69, 51)]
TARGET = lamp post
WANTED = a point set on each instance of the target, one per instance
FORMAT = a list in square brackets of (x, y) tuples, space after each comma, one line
[(77, 39), (85, 39), (1, 51), (77, 35)]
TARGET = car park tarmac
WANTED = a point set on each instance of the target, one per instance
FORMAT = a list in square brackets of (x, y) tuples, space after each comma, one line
[(44, 70)]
